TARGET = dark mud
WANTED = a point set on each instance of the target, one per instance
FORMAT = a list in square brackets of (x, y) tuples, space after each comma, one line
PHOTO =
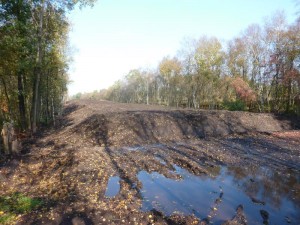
[(94, 168)]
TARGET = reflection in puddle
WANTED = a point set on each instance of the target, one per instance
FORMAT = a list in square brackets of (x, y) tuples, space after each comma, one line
[(217, 198), (158, 158), (113, 186), (142, 148), (137, 148)]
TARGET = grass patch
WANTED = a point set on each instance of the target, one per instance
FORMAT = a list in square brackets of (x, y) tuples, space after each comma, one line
[(14, 204), (7, 218)]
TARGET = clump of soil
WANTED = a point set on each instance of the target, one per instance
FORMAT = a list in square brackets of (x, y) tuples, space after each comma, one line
[(69, 166)]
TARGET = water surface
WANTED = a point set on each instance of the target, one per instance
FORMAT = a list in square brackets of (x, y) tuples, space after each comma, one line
[(113, 186), (216, 198)]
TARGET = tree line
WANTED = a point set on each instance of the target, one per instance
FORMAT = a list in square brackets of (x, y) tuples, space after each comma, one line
[(257, 70), (33, 61)]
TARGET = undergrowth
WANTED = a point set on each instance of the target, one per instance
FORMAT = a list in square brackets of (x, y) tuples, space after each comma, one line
[(15, 204)]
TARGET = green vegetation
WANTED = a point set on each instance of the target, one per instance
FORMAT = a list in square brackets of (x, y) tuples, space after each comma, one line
[(235, 105), (17, 203), (33, 60)]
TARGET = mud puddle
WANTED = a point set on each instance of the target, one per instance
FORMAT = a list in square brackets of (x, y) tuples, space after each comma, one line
[(268, 197), (113, 187)]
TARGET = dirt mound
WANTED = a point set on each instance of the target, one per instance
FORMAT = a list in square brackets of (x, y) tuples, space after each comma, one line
[(129, 124)]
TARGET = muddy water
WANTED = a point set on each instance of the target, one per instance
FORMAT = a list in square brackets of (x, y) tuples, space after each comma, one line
[(268, 197), (113, 186)]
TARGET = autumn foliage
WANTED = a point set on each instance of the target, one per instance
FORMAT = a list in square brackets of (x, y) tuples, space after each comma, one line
[(243, 90)]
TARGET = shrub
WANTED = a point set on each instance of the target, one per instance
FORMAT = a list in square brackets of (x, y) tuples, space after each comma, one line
[(237, 105)]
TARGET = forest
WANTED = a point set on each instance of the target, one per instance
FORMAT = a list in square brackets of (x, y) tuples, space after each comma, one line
[(258, 70), (34, 61)]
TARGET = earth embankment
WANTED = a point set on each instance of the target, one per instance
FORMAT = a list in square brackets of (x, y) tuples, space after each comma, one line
[(115, 124)]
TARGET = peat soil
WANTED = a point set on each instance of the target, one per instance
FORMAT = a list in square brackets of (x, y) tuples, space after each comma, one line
[(112, 163)]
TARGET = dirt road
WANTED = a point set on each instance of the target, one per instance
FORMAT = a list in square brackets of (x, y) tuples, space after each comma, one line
[(112, 163)]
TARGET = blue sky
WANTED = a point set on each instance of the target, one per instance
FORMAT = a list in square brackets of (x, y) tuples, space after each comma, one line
[(116, 36)]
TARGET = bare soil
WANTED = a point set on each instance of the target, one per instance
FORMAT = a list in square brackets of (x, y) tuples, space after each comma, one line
[(69, 165)]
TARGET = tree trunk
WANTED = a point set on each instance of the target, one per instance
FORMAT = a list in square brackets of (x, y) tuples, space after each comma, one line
[(47, 99), (35, 100), (53, 111), (13, 140), (4, 134), (288, 101), (10, 140), (37, 71), (21, 99), (289, 97), (7, 97)]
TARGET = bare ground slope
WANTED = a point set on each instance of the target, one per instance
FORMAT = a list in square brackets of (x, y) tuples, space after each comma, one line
[(69, 166), (115, 124)]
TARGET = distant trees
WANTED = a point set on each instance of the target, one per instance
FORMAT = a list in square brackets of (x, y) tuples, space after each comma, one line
[(33, 60), (258, 71), (170, 91)]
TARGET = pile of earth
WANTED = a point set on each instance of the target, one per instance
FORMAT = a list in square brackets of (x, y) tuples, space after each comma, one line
[(115, 124)]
